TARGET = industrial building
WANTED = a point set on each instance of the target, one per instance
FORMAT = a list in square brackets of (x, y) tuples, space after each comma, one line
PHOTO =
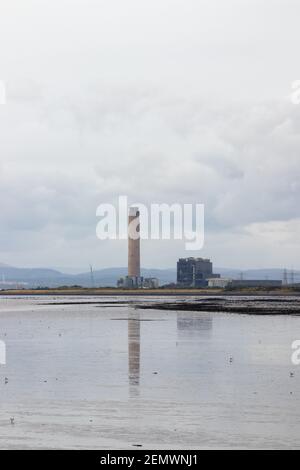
[(255, 283), (128, 282), (150, 282), (222, 283), (194, 272), (219, 283)]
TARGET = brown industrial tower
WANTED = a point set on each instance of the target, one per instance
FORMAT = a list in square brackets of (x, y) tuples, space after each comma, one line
[(134, 268)]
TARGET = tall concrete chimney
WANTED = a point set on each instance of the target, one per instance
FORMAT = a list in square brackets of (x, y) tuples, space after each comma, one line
[(134, 268)]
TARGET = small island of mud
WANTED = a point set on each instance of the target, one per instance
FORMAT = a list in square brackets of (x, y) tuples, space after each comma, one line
[(250, 306)]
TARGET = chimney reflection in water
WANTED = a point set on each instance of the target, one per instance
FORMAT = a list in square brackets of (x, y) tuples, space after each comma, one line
[(134, 353)]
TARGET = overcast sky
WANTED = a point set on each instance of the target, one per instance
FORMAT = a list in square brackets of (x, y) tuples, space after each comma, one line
[(163, 101)]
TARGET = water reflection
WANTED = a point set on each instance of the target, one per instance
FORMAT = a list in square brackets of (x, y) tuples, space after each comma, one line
[(194, 324), (134, 353)]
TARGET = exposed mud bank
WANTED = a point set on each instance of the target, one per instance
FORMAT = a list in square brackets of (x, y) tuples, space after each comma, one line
[(238, 306)]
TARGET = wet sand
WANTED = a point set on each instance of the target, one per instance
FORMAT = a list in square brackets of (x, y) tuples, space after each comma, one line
[(93, 375)]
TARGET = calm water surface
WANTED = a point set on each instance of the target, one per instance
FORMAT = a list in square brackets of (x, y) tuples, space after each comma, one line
[(114, 376)]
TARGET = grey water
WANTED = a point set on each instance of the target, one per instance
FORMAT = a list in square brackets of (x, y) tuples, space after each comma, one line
[(110, 375)]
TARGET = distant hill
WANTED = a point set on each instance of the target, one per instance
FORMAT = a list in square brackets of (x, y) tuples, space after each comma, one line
[(12, 273), (44, 277), (33, 277)]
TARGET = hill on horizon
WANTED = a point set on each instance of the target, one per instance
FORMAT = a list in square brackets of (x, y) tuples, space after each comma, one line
[(48, 277)]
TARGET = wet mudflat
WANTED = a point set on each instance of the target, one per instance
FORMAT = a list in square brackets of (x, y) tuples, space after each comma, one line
[(115, 376), (248, 305)]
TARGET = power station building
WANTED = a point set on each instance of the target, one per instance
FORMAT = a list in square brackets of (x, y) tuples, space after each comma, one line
[(194, 272)]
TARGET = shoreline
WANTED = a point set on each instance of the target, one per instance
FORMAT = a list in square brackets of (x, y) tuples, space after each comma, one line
[(147, 292)]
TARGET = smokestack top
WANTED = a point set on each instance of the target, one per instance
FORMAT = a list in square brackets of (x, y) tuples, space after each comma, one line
[(133, 211)]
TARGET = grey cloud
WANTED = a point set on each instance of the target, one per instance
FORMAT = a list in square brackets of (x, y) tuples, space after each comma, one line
[(161, 101), (238, 183)]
